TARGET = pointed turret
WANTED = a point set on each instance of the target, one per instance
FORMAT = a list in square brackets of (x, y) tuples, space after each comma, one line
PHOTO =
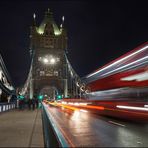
[(48, 34), (33, 27), (33, 33), (34, 21), (48, 19), (61, 26)]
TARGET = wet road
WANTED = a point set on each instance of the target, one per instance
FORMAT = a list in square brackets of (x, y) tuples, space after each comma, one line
[(85, 129)]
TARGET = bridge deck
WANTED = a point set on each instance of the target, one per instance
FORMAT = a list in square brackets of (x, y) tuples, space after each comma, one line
[(84, 129), (21, 128)]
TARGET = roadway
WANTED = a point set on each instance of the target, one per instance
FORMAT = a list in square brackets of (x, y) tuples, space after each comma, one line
[(82, 128)]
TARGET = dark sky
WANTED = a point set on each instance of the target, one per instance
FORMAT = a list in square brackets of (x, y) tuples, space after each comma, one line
[(98, 31)]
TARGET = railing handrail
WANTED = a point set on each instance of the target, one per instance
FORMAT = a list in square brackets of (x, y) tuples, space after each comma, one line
[(63, 142), (5, 106), (6, 103)]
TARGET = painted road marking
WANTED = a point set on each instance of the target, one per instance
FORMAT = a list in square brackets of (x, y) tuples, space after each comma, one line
[(116, 123)]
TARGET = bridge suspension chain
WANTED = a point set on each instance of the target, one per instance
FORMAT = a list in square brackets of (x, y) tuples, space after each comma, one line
[(80, 85)]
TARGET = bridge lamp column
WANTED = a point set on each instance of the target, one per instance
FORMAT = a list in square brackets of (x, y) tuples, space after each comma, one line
[(0, 93), (66, 81)]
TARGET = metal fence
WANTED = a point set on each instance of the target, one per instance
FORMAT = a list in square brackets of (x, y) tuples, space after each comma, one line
[(7, 106)]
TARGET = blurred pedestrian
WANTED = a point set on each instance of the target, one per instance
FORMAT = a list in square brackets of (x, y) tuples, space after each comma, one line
[(29, 103), (37, 102), (33, 103)]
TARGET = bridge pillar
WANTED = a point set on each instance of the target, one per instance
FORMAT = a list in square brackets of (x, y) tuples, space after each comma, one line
[(31, 89), (65, 88)]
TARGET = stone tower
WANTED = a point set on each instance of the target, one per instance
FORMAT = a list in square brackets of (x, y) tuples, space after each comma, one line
[(48, 44)]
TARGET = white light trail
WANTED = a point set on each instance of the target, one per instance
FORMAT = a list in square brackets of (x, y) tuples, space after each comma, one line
[(83, 104), (132, 108), (77, 104), (114, 63), (138, 77), (82, 110), (64, 102), (1, 74), (70, 103), (126, 65)]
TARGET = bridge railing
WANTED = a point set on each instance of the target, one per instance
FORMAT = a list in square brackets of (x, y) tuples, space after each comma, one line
[(7, 106), (52, 134)]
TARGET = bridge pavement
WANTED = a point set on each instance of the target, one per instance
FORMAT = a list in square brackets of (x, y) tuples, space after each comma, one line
[(21, 128)]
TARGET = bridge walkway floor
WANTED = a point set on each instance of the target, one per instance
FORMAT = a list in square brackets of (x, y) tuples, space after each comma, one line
[(21, 128)]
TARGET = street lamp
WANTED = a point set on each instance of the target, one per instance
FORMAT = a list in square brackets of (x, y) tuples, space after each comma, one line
[(45, 60), (49, 60), (52, 61)]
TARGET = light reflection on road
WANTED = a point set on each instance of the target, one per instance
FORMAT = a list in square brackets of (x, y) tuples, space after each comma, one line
[(86, 129)]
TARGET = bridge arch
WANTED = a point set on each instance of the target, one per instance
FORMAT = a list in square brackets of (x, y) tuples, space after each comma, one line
[(50, 88)]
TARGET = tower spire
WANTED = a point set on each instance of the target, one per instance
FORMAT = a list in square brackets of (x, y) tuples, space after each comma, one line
[(61, 26), (48, 13), (34, 21)]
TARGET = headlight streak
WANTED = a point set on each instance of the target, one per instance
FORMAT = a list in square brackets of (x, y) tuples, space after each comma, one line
[(123, 109), (74, 108), (82, 110), (132, 108), (114, 63), (138, 77), (126, 66), (86, 105)]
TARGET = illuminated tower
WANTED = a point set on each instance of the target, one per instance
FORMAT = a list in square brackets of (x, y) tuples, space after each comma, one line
[(48, 44)]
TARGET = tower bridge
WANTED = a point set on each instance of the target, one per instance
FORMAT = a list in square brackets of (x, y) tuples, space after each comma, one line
[(50, 71), (95, 110)]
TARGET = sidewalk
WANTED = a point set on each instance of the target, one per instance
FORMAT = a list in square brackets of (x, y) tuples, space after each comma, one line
[(21, 128)]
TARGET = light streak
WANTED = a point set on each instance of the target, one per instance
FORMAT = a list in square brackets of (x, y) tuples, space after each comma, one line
[(132, 108), (138, 77), (114, 63), (95, 107), (77, 104), (139, 60), (82, 110)]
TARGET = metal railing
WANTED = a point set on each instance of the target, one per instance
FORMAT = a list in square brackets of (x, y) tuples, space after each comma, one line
[(52, 134), (7, 106)]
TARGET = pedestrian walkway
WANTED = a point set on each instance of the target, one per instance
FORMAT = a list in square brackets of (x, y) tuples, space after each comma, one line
[(21, 128)]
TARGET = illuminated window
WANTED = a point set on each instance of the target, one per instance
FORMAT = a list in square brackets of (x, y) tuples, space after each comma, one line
[(42, 73), (55, 73)]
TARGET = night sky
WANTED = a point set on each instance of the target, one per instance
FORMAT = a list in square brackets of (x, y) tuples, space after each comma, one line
[(98, 31)]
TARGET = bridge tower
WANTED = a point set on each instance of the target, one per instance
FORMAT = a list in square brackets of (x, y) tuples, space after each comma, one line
[(48, 44)]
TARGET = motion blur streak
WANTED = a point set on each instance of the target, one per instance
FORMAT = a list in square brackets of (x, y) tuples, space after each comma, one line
[(95, 107), (65, 106), (82, 110), (132, 108), (118, 61)]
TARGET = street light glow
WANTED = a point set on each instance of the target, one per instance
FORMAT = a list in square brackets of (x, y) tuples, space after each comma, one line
[(45, 60), (52, 61), (49, 60)]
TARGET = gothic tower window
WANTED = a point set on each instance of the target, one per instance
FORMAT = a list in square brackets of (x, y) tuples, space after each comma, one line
[(46, 33)]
